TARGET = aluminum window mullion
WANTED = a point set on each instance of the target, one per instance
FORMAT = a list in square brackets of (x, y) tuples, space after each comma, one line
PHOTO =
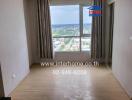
[(87, 35), (81, 25), (81, 20), (67, 37)]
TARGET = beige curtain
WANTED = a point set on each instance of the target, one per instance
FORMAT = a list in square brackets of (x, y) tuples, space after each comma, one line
[(44, 29), (98, 34)]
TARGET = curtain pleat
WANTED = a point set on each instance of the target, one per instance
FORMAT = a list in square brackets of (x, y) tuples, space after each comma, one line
[(44, 29), (98, 35)]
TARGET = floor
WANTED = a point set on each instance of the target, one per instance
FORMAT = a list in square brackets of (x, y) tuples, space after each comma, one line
[(69, 83)]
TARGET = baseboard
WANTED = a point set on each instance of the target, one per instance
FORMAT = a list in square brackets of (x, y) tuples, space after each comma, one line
[(5, 98)]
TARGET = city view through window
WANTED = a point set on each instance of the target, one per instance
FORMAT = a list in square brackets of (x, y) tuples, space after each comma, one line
[(66, 28)]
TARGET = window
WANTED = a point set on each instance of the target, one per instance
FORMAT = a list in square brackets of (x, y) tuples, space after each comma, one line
[(71, 28), (87, 20)]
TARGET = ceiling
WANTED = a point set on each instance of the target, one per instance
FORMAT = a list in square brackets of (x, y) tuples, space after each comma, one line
[(70, 2)]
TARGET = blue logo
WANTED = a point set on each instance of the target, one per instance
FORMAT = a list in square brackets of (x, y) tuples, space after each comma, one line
[(94, 7), (95, 10)]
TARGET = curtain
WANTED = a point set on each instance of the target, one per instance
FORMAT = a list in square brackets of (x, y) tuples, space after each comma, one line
[(98, 35), (110, 39), (44, 30)]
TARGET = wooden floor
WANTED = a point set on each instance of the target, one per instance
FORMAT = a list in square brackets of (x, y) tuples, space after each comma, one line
[(46, 84)]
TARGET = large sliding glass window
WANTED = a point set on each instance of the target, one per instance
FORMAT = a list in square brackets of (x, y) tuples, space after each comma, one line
[(71, 28)]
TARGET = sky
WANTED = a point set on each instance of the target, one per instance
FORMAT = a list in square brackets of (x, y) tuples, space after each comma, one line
[(68, 14)]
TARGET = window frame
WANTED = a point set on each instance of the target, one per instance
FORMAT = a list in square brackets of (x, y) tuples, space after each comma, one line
[(80, 28)]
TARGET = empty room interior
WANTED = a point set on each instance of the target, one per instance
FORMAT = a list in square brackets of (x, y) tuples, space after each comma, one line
[(65, 50)]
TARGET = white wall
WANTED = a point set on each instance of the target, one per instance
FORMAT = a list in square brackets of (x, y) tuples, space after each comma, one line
[(13, 44), (122, 49)]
